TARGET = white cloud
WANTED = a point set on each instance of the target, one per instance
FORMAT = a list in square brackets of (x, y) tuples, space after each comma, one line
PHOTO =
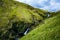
[(41, 1), (33, 1), (54, 6), (51, 5), (25, 1)]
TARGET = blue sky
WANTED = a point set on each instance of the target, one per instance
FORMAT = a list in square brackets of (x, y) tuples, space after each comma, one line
[(51, 5)]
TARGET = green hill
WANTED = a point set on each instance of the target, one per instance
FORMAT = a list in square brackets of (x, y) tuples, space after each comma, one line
[(17, 16), (49, 30)]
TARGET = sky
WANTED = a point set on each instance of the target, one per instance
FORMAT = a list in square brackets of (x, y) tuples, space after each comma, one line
[(50, 5)]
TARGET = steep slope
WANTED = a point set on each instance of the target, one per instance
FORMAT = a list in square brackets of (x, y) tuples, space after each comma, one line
[(16, 16), (50, 30)]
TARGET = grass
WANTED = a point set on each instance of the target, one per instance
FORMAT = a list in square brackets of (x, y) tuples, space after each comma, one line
[(50, 30), (20, 14), (12, 11), (20, 10)]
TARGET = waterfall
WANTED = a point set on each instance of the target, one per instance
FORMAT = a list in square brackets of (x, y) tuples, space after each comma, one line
[(48, 15), (26, 31)]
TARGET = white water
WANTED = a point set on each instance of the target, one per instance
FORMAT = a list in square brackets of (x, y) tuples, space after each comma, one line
[(26, 31), (48, 15)]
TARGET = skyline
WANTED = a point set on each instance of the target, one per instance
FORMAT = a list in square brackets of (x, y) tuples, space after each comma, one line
[(50, 5)]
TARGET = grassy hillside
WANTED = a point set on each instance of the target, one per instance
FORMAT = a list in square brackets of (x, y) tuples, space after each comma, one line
[(49, 30), (16, 16)]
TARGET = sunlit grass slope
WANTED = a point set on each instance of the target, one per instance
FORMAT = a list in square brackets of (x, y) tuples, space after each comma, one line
[(10, 10), (50, 30), (17, 13)]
